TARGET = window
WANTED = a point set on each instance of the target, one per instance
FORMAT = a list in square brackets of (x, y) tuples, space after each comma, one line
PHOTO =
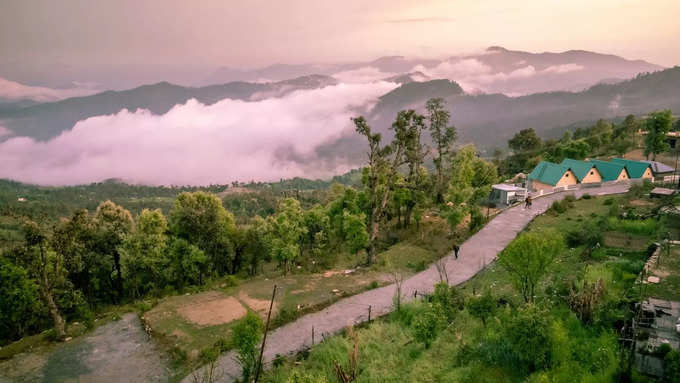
[(591, 172)]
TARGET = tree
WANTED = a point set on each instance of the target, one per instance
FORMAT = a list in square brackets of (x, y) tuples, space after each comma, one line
[(443, 137), (143, 253), (658, 125), (471, 180), (425, 326), (258, 244), (201, 219), (528, 333), (186, 264), (482, 307), (89, 269), (356, 236), (527, 259), (47, 268), (289, 230), (20, 310), (113, 224), (525, 140), (377, 178), (246, 337)]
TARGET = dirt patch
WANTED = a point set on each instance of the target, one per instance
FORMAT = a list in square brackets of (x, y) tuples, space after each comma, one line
[(331, 273), (260, 306), (625, 240), (233, 190), (212, 308), (640, 202)]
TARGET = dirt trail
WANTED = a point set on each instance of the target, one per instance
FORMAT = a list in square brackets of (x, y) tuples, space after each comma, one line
[(119, 351), (477, 252)]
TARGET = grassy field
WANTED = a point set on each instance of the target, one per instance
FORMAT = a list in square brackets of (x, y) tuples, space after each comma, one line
[(464, 350)]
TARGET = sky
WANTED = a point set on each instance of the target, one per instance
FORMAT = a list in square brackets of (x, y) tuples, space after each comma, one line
[(180, 39)]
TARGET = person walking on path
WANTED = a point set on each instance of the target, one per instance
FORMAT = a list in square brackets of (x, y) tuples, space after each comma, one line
[(527, 202), (456, 248)]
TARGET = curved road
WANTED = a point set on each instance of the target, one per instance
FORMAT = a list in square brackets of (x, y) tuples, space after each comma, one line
[(477, 252)]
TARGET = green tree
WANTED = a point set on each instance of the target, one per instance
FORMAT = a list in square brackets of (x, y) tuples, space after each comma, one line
[(527, 259), (201, 219), (258, 244), (143, 253), (113, 224), (443, 137), (289, 230), (186, 264), (671, 367), (525, 140), (20, 310), (47, 268), (471, 180), (529, 334), (658, 125), (355, 232), (76, 239), (377, 178), (482, 307), (246, 338), (425, 326)]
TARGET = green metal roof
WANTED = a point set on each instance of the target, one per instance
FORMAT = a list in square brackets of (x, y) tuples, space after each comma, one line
[(609, 170), (635, 168), (580, 168), (548, 172)]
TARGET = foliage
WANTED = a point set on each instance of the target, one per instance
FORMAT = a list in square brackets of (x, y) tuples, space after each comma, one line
[(20, 311), (525, 140), (200, 219), (657, 125), (288, 228), (246, 338), (482, 307), (425, 326), (527, 258), (443, 137)]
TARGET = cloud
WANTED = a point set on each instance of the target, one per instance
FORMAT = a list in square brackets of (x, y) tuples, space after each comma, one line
[(473, 75), (14, 91), (362, 75), (198, 144), (563, 68)]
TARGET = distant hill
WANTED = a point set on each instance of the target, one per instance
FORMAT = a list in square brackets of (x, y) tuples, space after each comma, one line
[(44, 121), (491, 119)]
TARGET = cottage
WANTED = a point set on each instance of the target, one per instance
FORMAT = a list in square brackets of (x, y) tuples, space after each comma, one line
[(636, 169), (611, 171), (505, 194), (547, 175), (660, 169), (585, 172)]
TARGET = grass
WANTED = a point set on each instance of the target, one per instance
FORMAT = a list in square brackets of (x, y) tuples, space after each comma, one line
[(388, 352), (668, 271)]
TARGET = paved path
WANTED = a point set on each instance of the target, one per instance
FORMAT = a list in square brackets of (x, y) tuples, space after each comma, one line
[(477, 252)]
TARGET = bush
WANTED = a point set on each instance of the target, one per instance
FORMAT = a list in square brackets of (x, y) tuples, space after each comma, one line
[(246, 337), (608, 201), (529, 338), (671, 367), (587, 235), (586, 196), (425, 326), (231, 281), (482, 307)]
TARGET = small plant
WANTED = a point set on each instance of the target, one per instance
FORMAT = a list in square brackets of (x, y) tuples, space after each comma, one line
[(246, 337), (349, 374), (586, 196)]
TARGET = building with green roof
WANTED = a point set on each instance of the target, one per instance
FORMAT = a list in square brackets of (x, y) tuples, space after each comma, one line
[(611, 171), (547, 175), (584, 171), (636, 169)]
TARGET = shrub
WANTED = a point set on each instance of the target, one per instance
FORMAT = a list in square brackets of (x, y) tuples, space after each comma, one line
[(528, 335), (608, 201), (586, 196), (671, 370), (425, 327), (482, 307), (587, 235), (246, 337)]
